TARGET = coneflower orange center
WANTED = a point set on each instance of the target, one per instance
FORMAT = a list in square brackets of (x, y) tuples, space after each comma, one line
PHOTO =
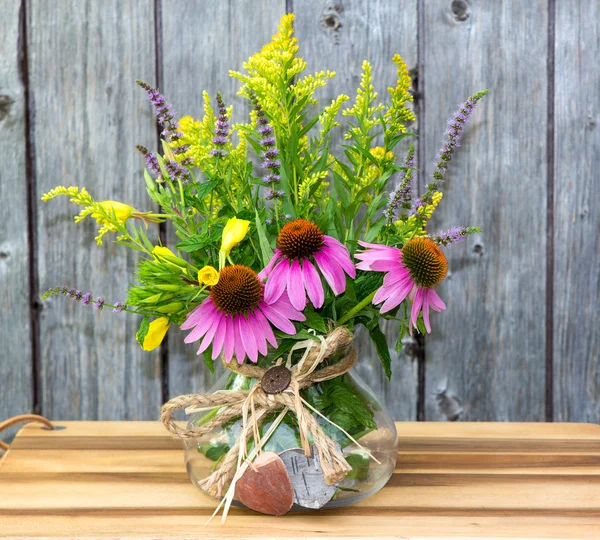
[(237, 291), (299, 238), (425, 261)]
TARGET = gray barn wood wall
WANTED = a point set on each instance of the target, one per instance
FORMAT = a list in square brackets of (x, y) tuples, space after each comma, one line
[(520, 339)]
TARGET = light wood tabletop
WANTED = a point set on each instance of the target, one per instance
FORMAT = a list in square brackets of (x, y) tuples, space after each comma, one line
[(472, 480)]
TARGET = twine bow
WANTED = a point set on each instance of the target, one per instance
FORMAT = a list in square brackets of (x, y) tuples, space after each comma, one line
[(253, 406)]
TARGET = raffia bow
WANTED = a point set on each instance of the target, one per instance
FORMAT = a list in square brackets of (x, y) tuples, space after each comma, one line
[(253, 406)]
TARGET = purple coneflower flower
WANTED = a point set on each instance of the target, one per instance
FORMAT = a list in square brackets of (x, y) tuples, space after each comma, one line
[(235, 318), (412, 272), (298, 244)]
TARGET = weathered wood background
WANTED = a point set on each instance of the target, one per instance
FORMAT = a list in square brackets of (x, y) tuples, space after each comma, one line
[(520, 339)]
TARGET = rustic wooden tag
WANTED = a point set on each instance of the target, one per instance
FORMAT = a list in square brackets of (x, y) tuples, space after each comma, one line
[(308, 482), (267, 489)]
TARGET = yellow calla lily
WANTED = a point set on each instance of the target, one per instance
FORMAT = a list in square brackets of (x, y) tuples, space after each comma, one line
[(208, 276), (234, 232), (156, 333)]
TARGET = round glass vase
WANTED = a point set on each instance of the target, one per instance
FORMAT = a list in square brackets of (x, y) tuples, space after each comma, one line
[(348, 402)]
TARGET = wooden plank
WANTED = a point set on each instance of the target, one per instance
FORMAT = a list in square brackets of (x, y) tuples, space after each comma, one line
[(576, 224), (89, 114), (15, 328), (200, 44), (330, 524), (146, 493), (338, 37), (489, 346)]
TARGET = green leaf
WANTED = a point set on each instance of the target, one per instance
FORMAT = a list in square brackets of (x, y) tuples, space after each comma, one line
[(214, 451), (202, 190), (210, 363), (315, 321), (265, 248), (143, 330), (360, 467), (378, 338)]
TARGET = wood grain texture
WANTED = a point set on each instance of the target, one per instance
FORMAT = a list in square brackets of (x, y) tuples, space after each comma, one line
[(84, 58), (577, 213), (476, 480), (15, 328), (201, 42), (338, 36), (489, 346)]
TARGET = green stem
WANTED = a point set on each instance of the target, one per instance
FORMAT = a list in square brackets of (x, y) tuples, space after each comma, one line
[(357, 309)]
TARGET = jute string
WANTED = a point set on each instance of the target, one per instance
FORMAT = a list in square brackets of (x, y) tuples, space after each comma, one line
[(254, 405)]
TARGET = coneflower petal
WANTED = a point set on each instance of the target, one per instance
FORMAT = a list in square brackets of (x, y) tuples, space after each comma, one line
[(247, 338), (229, 338), (332, 272), (312, 283), (265, 327), (219, 338), (277, 281), (295, 286)]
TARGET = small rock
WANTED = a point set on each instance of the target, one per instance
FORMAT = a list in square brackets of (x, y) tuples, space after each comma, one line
[(306, 476), (267, 489)]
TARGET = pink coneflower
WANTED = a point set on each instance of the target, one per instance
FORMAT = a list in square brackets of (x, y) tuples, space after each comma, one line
[(411, 272), (236, 318), (299, 243)]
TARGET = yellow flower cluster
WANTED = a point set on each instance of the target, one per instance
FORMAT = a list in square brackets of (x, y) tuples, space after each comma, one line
[(398, 113), (363, 106), (327, 118), (308, 183), (106, 213)]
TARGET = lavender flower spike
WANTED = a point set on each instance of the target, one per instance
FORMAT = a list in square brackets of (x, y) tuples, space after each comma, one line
[(453, 235), (400, 197), (453, 134), (222, 130)]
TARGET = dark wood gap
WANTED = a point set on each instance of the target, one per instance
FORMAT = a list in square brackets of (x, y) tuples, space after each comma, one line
[(420, 114), (289, 6), (34, 301), (162, 227), (550, 157)]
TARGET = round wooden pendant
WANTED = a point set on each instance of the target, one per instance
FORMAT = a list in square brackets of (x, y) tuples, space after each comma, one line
[(276, 379)]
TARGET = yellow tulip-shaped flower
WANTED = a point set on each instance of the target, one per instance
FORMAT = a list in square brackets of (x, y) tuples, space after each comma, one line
[(234, 232), (122, 211), (208, 276), (161, 251), (166, 255), (156, 333)]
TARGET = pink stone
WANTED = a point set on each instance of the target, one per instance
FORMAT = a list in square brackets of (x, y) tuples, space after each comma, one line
[(267, 489)]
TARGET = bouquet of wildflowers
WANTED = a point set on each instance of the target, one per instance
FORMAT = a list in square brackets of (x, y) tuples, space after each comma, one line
[(280, 240)]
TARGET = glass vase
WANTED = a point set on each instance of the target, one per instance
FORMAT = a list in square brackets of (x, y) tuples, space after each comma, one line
[(342, 400)]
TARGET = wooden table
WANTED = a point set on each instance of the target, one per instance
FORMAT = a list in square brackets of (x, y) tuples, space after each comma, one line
[(127, 479)]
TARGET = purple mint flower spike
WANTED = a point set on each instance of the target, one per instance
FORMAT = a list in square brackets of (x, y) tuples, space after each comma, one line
[(99, 304), (222, 130), (453, 134), (119, 306), (269, 146), (87, 297), (451, 236), (164, 111), (401, 196)]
